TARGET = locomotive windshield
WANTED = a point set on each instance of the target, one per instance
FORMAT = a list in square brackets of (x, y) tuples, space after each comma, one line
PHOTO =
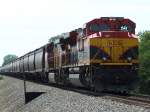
[(99, 27), (110, 24), (106, 27)]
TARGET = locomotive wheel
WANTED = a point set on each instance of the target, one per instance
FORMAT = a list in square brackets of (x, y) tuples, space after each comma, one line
[(98, 85), (44, 77), (86, 76), (37, 76), (64, 74), (126, 92), (56, 77)]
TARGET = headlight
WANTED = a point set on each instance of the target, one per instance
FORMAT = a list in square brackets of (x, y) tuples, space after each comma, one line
[(104, 58), (129, 58)]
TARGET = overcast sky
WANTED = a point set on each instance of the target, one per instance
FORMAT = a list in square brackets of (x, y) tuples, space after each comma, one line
[(28, 24)]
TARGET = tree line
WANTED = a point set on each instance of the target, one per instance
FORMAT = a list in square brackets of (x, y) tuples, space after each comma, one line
[(144, 57), (9, 58)]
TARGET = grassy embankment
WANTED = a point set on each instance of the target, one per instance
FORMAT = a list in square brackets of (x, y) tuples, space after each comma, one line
[(1, 77)]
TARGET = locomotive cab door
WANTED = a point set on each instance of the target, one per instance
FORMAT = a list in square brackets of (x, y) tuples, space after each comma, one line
[(84, 51)]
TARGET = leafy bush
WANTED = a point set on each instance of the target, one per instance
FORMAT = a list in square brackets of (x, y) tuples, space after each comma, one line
[(144, 62)]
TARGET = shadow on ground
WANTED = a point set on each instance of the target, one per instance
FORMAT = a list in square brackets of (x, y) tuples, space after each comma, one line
[(29, 96)]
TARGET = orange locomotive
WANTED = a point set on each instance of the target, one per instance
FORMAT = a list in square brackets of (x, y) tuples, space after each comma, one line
[(103, 55)]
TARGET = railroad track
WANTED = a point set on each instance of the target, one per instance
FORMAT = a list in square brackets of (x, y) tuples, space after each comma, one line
[(137, 100), (131, 99)]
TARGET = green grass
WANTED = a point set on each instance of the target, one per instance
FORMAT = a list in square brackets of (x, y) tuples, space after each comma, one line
[(1, 77)]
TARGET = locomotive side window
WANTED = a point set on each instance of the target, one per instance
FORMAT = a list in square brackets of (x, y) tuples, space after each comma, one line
[(105, 27), (94, 27)]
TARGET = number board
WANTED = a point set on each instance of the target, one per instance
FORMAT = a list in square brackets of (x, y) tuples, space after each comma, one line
[(114, 43)]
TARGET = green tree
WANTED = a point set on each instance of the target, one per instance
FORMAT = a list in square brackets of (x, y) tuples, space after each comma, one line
[(145, 61), (9, 58)]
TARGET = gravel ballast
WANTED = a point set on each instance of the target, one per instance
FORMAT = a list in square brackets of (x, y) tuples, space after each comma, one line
[(55, 100)]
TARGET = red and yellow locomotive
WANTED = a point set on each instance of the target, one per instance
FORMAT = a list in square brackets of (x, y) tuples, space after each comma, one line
[(103, 55)]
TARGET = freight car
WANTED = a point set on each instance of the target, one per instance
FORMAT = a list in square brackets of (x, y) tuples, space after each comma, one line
[(103, 55)]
